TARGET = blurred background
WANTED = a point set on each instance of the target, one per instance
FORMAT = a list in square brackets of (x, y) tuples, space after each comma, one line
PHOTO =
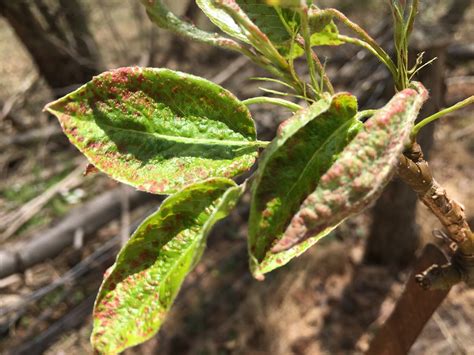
[(61, 229)]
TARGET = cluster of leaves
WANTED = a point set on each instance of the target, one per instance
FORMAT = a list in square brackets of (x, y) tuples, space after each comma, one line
[(166, 132)]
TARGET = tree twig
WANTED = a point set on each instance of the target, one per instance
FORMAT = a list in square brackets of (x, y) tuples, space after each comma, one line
[(415, 171), (32, 136)]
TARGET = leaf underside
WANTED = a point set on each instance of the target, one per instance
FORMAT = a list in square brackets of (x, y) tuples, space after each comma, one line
[(142, 284), (221, 19), (158, 130), (269, 21), (306, 146), (362, 171)]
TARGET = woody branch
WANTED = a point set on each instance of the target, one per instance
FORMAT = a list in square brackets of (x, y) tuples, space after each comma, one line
[(415, 171)]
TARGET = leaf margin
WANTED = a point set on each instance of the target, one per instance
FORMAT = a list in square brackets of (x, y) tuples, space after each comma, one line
[(228, 199)]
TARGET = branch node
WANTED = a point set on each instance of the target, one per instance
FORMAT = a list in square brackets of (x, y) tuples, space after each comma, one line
[(438, 277)]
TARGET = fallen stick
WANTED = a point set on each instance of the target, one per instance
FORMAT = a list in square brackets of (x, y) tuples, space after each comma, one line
[(48, 244), (460, 53), (19, 217), (232, 69), (28, 84), (32, 136), (71, 320), (45, 174)]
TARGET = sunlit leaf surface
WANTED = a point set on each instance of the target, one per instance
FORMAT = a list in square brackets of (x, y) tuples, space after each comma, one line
[(157, 129)]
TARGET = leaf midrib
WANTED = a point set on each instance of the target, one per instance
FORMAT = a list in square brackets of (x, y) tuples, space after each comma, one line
[(200, 235), (185, 253), (188, 140), (315, 154)]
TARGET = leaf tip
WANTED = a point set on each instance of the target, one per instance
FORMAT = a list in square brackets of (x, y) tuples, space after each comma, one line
[(282, 245), (48, 107)]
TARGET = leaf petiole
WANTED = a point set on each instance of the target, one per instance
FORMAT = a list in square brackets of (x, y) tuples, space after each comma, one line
[(261, 144), (365, 114), (424, 122), (307, 48), (364, 37), (273, 101)]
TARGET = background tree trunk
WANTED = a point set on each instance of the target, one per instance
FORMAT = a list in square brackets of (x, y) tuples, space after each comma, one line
[(57, 38)]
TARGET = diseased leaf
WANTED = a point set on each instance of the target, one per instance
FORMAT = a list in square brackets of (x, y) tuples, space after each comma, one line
[(269, 21), (157, 129), (164, 18), (306, 146), (364, 168), (142, 284), (280, 25)]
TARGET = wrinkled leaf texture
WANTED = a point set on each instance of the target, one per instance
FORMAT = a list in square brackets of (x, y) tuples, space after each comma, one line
[(268, 20), (157, 129), (141, 286), (305, 147), (362, 171)]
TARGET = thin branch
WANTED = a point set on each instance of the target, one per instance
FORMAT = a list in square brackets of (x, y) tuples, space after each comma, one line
[(308, 51), (360, 43), (364, 36), (319, 65), (18, 218), (427, 120), (415, 171), (273, 101)]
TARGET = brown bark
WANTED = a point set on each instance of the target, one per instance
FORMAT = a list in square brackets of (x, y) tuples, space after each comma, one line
[(416, 173), (412, 311), (61, 62)]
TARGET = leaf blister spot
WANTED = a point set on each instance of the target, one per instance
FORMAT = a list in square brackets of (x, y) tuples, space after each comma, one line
[(132, 117), (306, 146), (363, 169)]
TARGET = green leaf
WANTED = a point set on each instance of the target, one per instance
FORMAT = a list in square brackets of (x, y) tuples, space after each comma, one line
[(326, 36), (141, 286), (221, 19), (158, 130), (279, 24), (269, 21), (323, 30), (364, 168), (294, 4), (264, 16), (306, 146), (164, 18)]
